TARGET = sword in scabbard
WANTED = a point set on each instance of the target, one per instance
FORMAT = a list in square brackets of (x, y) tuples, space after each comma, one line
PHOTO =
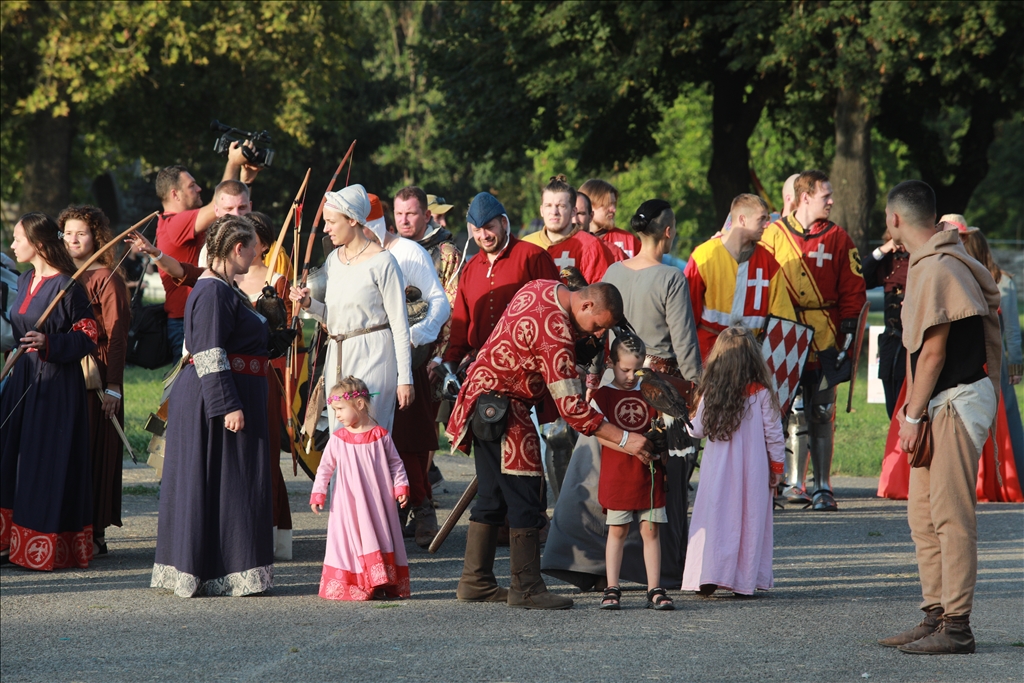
[(460, 507)]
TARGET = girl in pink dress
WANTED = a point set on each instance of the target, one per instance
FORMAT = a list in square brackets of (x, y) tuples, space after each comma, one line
[(738, 412), (365, 555)]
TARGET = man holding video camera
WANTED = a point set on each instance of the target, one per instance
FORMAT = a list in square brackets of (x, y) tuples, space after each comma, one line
[(182, 225)]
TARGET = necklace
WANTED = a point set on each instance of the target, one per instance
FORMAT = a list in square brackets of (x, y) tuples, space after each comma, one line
[(348, 261)]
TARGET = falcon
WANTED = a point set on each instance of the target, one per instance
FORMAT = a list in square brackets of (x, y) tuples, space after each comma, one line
[(572, 278), (661, 395)]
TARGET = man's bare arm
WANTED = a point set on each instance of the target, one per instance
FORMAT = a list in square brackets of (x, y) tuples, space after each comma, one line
[(929, 366), (232, 170)]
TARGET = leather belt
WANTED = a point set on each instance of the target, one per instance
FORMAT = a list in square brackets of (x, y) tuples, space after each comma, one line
[(358, 333), (339, 338)]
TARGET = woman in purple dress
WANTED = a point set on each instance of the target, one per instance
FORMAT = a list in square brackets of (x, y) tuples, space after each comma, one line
[(215, 532), (45, 485)]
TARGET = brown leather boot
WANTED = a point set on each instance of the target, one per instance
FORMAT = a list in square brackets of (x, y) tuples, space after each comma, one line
[(926, 627), (478, 583), (426, 523), (528, 590), (952, 637)]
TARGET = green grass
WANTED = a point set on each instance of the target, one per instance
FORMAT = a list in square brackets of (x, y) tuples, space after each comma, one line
[(142, 391), (860, 435)]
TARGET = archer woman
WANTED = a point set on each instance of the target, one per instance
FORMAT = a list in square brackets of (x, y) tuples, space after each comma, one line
[(45, 488), (87, 229)]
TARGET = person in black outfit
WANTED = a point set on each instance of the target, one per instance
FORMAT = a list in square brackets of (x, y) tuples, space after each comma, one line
[(887, 268)]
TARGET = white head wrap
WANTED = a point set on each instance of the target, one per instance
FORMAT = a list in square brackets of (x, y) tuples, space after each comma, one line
[(351, 201)]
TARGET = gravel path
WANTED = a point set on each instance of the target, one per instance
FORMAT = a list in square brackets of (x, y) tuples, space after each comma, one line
[(842, 580)]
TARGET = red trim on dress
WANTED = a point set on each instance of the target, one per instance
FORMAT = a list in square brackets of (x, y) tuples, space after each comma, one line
[(46, 552), (370, 436), (378, 571), (30, 294)]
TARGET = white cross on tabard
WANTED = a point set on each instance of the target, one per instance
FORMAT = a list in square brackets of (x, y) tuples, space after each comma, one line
[(759, 283), (564, 261), (820, 255)]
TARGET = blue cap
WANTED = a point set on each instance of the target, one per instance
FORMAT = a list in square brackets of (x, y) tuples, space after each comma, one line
[(484, 209)]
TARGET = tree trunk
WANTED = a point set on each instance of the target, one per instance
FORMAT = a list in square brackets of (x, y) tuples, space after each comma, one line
[(853, 182), (734, 114), (47, 183)]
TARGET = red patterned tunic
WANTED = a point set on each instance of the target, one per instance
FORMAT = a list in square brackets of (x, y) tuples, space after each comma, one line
[(625, 482), (529, 357)]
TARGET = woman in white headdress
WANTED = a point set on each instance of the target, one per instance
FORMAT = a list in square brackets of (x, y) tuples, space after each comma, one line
[(363, 308)]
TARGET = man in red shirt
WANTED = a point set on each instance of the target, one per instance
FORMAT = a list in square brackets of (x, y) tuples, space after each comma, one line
[(181, 229), (604, 199), (491, 278), (568, 245)]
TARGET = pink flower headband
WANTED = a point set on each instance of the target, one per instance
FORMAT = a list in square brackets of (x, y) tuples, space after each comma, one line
[(349, 395)]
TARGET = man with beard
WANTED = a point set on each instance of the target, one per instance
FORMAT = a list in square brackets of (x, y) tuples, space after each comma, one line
[(491, 278), (529, 359), (822, 271)]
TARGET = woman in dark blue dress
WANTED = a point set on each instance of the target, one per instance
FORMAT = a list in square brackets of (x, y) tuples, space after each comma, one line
[(45, 481), (215, 532)]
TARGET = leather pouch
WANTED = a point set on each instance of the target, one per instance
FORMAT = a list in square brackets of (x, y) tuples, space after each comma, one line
[(490, 417), (91, 371), (921, 456)]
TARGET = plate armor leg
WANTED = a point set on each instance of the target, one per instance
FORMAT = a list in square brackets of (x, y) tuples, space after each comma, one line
[(821, 437)]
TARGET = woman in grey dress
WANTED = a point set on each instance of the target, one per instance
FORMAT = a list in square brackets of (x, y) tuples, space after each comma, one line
[(656, 301)]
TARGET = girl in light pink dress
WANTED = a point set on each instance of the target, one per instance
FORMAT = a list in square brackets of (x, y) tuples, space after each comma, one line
[(365, 554), (730, 542)]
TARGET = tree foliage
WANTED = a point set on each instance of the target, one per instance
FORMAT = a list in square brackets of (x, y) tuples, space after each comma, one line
[(680, 100)]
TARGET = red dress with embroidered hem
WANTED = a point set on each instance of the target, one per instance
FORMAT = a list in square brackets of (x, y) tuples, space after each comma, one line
[(365, 550), (45, 475)]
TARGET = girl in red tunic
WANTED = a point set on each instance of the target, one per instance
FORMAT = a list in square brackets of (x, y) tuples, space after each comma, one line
[(629, 489)]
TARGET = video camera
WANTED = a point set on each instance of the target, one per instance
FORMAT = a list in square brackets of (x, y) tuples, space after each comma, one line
[(261, 157)]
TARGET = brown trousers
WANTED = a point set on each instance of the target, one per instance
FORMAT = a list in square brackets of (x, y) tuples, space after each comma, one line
[(940, 509)]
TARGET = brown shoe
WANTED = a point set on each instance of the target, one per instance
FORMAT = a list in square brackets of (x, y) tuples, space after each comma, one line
[(478, 583), (528, 590), (925, 628), (426, 524), (952, 637)]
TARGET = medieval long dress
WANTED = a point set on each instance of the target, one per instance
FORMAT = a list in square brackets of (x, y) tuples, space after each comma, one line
[(363, 296), (109, 298), (656, 301), (45, 484), (215, 531), (365, 551), (731, 538)]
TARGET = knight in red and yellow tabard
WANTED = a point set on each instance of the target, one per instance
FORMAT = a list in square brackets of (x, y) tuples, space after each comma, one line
[(529, 359), (733, 279), (822, 272)]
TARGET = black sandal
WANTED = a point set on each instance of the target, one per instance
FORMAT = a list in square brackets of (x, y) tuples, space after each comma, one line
[(612, 598), (658, 599)]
